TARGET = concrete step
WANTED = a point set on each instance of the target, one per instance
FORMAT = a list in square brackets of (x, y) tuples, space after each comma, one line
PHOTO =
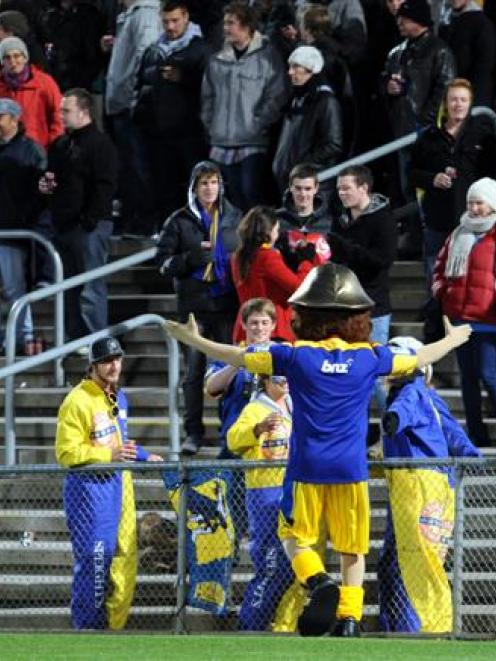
[(121, 306), (45, 401)]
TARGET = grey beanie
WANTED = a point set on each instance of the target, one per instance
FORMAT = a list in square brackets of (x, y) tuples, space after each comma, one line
[(10, 107), (484, 189), (10, 44), (307, 57)]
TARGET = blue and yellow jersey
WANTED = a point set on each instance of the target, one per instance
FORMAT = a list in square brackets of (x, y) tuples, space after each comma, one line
[(242, 440), (89, 426), (330, 383)]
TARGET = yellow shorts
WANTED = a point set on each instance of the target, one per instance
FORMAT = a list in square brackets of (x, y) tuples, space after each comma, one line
[(344, 508)]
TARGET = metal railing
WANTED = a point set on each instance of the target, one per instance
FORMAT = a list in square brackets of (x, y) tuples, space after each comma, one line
[(39, 295), (389, 148), (59, 296), (11, 370)]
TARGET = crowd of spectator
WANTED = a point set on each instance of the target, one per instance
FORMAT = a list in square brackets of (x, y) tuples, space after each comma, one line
[(207, 125)]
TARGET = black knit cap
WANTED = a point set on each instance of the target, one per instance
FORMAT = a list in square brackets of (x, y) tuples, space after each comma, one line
[(418, 11)]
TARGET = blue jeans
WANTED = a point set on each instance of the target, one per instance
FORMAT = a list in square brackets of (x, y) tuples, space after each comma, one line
[(43, 264), (216, 326), (433, 242), (13, 264), (246, 181), (135, 176), (86, 307), (433, 321), (380, 333), (477, 361)]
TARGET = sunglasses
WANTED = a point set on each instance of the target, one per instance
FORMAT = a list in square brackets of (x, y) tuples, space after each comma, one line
[(280, 380), (112, 400)]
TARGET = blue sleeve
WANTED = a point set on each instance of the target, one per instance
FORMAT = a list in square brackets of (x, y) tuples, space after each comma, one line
[(141, 453), (459, 443), (213, 367), (282, 358), (384, 358), (408, 409)]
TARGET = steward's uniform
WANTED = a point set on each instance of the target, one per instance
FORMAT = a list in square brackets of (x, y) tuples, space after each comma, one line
[(330, 382), (414, 591), (273, 573), (99, 507)]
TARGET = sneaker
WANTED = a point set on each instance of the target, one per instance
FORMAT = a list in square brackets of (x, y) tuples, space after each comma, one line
[(190, 446), (348, 627), (319, 615)]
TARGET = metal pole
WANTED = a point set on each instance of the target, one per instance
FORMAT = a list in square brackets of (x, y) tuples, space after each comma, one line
[(458, 552), (182, 538), (389, 148)]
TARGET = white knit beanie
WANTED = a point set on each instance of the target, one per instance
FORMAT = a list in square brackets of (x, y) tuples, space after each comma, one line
[(484, 189), (307, 57), (12, 43)]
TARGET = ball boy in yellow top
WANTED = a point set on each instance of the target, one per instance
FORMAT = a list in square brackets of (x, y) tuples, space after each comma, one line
[(262, 432), (99, 507), (331, 372)]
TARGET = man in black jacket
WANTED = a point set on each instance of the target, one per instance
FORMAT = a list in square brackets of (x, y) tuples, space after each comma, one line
[(194, 248), (81, 181), (312, 127), (304, 219), (470, 34), (364, 240), (168, 104), (416, 71), (22, 161), (73, 29)]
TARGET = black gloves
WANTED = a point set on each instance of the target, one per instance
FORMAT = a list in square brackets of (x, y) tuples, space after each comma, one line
[(390, 423), (305, 253), (198, 257)]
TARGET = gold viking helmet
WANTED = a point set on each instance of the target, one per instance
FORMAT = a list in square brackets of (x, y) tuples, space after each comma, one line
[(334, 287)]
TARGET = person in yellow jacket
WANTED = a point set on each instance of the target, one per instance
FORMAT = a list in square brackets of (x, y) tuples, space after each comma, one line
[(261, 433), (99, 507)]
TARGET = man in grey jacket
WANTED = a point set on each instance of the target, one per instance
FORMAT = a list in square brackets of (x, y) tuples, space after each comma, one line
[(138, 26), (243, 91)]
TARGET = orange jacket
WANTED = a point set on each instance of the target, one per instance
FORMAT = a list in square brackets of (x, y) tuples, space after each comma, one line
[(39, 98)]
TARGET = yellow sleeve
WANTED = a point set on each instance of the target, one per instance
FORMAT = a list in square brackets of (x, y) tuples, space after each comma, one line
[(72, 443), (404, 365), (240, 436), (258, 362)]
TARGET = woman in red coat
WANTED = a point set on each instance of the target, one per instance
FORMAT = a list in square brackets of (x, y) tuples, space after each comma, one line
[(259, 270), (464, 281)]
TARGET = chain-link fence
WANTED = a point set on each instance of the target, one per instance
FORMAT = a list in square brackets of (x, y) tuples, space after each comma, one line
[(194, 547)]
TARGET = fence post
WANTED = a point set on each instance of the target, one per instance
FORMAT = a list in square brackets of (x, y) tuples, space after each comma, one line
[(458, 551), (182, 564)]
